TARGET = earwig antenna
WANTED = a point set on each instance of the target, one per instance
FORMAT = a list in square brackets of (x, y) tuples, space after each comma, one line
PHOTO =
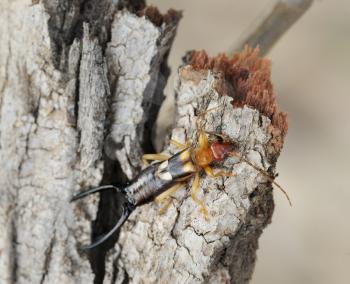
[(264, 173)]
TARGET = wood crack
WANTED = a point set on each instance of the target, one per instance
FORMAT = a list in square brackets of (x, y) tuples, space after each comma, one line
[(78, 108)]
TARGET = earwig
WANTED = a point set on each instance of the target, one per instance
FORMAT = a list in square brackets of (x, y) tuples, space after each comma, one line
[(162, 178), (151, 182)]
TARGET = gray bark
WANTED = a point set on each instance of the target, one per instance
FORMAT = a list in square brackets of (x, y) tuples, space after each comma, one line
[(80, 78), (180, 246)]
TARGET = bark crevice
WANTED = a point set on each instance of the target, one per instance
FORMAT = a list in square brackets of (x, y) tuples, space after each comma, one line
[(82, 89)]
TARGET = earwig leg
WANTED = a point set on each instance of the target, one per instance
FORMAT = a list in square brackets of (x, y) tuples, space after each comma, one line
[(203, 140), (165, 197), (154, 157), (165, 205), (179, 145), (200, 203), (101, 239), (93, 190), (209, 171)]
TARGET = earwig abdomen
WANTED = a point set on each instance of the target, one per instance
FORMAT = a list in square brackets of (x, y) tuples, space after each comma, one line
[(146, 185), (158, 177)]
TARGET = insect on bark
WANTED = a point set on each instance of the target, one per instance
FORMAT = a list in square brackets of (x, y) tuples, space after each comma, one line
[(161, 179)]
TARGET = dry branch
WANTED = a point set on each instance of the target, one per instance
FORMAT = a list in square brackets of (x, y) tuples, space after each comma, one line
[(269, 27)]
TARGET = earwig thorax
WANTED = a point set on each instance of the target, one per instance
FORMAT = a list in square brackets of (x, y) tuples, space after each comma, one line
[(203, 157)]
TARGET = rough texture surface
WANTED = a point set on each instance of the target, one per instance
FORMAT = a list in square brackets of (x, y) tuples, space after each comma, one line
[(180, 246), (55, 107), (50, 147), (135, 53), (81, 85)]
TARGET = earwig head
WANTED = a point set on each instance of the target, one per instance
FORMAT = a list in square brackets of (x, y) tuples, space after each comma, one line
[(220, 150)]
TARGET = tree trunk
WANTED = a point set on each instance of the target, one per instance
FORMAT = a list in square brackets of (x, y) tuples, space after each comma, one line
[(81, 85)]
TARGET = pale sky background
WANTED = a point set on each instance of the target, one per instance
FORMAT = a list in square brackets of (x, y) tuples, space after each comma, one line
[(310, 242)]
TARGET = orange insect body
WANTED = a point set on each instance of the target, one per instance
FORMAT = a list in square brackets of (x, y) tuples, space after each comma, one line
[(207, 153), (161, 179), (203, 157)]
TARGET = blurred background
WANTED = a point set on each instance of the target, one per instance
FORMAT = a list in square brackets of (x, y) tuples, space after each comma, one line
[(310, 242)]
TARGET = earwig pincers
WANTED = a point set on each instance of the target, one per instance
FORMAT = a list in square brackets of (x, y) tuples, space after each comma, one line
[(151, 182), (128, 207)]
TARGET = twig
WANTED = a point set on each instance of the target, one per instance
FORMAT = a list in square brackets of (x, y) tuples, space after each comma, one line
[(268, 29)]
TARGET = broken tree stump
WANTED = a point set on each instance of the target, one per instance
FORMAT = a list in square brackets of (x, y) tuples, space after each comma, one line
[(81, 86)]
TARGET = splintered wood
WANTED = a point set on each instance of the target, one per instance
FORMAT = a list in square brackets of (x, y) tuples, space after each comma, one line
[(81, 86), (180, 246)]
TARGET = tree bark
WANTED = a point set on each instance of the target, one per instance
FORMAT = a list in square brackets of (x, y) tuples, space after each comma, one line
[(180, 246), (81, 85)]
